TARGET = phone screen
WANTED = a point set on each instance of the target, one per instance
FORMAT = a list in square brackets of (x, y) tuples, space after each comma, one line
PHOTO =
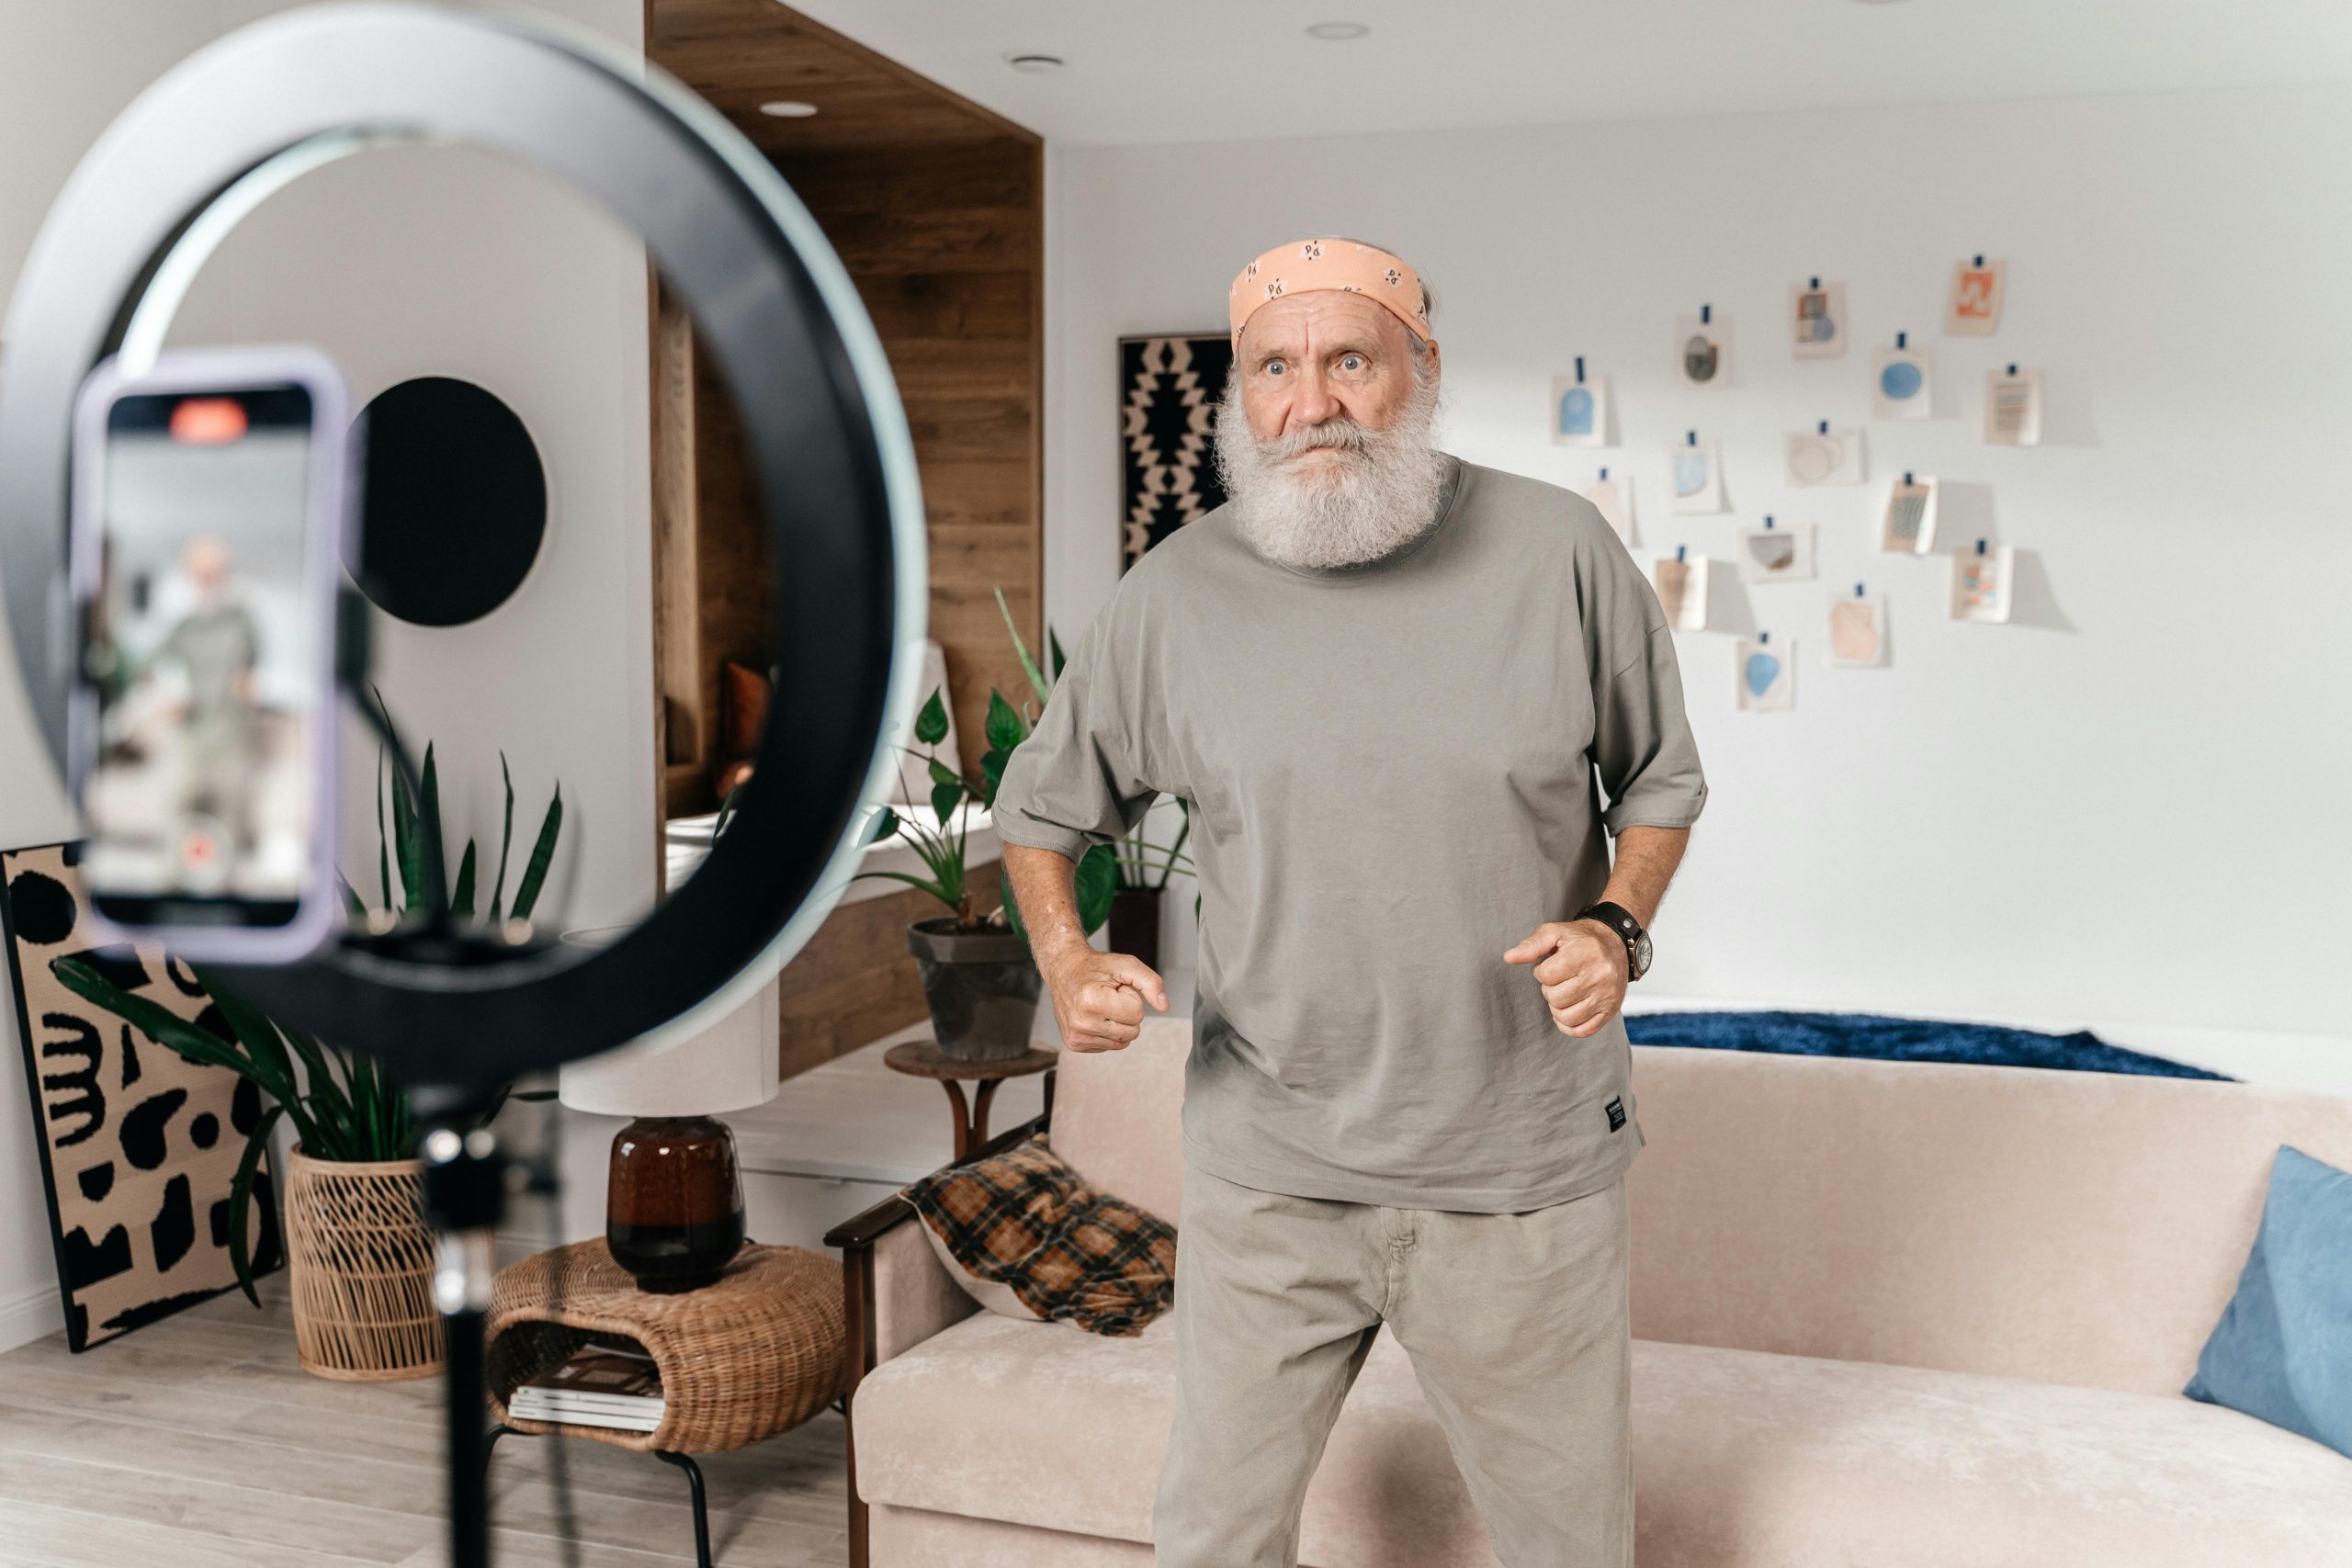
[(202, 653)]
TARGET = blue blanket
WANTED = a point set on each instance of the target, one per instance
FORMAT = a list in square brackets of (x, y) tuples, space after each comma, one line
[(1899, 1039)]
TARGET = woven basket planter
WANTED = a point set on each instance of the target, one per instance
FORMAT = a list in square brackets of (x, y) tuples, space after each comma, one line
[(363, 1270)]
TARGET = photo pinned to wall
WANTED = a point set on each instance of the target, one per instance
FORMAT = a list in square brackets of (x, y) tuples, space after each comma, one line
[(1767, 672), (2013, 407), (1581, 411), (1981, 580), (1977, 287), (1774, 554), (1682, 583), (1858, 630), (1612, 495), (1825, 455), (1703, 348), (1907, 521), (1903, 386), (1818, 320), (1697, 475)]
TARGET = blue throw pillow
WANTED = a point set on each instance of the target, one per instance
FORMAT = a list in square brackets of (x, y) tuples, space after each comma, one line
[(2283, 1348)]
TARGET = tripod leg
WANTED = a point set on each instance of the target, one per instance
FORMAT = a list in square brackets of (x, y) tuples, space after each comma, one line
[(702, 1512)]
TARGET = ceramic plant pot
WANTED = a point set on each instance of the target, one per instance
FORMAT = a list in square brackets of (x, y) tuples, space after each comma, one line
[(982, 988)]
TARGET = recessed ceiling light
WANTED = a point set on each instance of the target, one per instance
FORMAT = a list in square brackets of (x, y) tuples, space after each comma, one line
[(1033, 63), (1337, 32), (788, 109)]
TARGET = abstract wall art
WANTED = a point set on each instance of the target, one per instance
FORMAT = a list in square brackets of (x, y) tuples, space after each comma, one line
[(1169, 391), (138, 1145)]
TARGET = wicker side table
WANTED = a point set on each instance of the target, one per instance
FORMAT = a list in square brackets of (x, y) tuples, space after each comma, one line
[(756, 1354)]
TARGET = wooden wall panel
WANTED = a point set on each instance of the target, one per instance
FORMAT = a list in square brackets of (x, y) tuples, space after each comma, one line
[(937, 208)]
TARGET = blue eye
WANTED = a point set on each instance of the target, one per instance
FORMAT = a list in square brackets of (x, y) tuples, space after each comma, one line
[(1351, 362), (1275, 367)]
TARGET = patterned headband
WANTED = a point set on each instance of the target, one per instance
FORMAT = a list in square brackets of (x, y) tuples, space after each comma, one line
[(1342, 265)]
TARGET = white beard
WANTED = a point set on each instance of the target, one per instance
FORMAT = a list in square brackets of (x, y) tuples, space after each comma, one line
[(1380, 496)]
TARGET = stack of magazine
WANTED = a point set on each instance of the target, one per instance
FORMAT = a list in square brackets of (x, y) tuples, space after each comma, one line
[(597, 1385)]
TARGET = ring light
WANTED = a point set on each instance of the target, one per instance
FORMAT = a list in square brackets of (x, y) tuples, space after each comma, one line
[(239, 120)]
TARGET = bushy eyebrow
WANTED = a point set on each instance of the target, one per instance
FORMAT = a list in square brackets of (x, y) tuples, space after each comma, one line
[(1343, 346)]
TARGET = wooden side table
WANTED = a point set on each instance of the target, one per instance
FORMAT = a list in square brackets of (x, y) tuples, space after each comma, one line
[(760, 1352), (924, 1059)]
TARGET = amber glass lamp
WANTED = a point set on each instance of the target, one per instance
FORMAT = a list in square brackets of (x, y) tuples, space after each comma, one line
[(674, 1200)]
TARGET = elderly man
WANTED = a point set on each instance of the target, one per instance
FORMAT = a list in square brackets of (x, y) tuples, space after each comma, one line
[(1396, 689)]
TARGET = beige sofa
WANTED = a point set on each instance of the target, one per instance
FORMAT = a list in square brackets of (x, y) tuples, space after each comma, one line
[(1886, 1314)]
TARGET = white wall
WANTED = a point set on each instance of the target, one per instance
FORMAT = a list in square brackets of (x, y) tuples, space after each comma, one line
[(398, 264), (2127, 811)]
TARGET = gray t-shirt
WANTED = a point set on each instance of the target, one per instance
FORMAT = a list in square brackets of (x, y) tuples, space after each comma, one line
[(1397, 770)]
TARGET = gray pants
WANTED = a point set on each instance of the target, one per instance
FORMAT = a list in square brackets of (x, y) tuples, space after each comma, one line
[(1516, 1325)]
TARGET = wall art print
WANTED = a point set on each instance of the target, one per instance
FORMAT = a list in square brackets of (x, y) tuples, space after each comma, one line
[(1169, 391), (138, 1145)]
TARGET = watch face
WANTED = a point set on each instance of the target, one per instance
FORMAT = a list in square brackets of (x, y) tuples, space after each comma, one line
[(1641, 954)]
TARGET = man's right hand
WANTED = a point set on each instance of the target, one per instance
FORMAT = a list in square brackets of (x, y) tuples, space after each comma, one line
[(1099, 997)]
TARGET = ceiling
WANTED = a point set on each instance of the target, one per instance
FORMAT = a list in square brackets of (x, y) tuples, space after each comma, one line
[(741, 54), (1226, 70)]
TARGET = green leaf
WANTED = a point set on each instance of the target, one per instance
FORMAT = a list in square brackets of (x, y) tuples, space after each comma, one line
[(1097, 881), (429, 840), (1036, 677), (461, 898), (937, 890), (405, 849), (1005, 728), (351, 902), (884, 824), (993, 765), (1012, 907), (931, 723), (506, 839), (535, 872), (1058, 652), (383, 863), (241, 1201), (945, 795)]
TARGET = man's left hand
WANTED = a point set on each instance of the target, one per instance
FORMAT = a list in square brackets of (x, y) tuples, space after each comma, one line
[(1581, 967)]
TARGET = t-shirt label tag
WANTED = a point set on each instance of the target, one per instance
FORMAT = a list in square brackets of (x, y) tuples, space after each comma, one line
[(1616, 1113)]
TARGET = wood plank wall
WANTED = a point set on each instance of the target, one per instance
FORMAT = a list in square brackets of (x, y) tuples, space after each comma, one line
[(937, 210)]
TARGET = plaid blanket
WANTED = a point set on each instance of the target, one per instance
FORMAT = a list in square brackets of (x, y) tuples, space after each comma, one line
[(1024, 1220)]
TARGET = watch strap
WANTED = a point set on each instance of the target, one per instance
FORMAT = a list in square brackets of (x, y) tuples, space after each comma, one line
[(1619, 918)]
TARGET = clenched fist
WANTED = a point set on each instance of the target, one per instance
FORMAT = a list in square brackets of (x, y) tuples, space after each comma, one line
[(1099, 997), (1580, 965)]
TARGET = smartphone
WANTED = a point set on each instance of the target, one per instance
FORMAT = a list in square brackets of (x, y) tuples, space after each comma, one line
[(210, 508)]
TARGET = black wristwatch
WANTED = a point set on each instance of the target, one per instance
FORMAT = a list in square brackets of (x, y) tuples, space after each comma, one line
[(1619, 918)]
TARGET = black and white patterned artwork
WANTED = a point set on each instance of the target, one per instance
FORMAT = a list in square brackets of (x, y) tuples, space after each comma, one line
[(139, 1144), (1169, 389)]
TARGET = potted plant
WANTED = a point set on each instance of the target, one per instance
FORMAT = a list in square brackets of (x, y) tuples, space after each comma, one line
[(360, 1254), (979, 977)]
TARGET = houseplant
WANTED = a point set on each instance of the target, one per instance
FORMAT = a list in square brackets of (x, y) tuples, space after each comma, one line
[(979, 977), (1134, 905), (360, 1254)]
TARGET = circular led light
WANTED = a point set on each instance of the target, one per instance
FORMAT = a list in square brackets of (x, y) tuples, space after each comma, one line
[(1337, 32), (1032, 62), (788, 109)]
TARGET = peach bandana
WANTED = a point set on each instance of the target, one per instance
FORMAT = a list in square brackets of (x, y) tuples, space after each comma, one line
[(1330, 264)]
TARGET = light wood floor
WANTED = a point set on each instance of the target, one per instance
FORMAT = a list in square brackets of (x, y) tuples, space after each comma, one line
[(199, 1442)]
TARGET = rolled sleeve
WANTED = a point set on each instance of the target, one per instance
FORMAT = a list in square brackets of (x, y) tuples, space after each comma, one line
[(1642, 748), (1082, 777)]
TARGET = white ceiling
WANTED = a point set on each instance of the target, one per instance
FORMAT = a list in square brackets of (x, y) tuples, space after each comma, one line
[(1157, 71)]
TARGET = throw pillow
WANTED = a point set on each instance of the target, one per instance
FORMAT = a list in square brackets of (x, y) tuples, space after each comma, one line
[(1027, 1237), (2282, 1351)]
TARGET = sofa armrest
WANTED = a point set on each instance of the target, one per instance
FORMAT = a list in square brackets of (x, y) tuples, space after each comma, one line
[(897, 1293)]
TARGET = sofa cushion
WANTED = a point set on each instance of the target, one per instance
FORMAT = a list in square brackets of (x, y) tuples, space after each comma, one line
[(1740, 1458), (2283, 1348), (1028, 1238)]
